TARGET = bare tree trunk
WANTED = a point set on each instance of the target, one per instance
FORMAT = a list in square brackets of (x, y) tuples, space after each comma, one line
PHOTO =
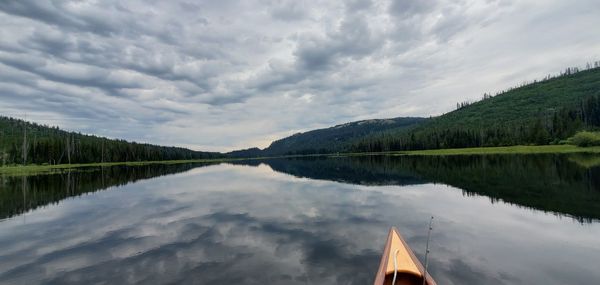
[(24, 190), (33, 147), (3, 151), (72, 145), (68, 150), (68, 182), (24, 142)]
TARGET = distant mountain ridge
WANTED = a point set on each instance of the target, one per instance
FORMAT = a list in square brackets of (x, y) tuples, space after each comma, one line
[(338, 138)]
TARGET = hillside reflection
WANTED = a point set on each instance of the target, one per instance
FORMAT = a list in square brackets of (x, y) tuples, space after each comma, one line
[(562, 184)]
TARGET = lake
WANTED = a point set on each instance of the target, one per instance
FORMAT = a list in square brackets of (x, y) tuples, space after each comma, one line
[(510, 219)]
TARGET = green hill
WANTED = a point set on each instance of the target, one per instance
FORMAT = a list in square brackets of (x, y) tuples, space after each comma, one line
[(50, 145), (526, 103), (538, 113)]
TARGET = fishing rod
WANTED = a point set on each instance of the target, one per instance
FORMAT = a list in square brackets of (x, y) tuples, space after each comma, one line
[(427, 251)]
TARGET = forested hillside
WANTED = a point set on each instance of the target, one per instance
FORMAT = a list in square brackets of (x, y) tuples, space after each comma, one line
[(542, 112), (334, 139), (25, 142)]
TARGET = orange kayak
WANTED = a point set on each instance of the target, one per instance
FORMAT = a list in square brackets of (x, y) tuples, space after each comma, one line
[(398, 259)]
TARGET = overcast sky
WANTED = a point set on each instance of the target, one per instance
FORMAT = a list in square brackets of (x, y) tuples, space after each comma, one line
[(222, 75)]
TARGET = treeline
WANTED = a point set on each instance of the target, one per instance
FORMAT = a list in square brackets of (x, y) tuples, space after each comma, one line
[(30, 143)]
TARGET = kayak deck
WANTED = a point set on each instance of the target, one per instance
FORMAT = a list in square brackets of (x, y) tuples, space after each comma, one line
[(398, 257)]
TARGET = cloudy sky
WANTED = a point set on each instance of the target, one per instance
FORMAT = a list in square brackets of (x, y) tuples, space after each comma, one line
[(222, 75)]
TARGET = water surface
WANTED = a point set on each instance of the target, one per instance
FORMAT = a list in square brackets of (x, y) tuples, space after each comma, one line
[(498, 220)]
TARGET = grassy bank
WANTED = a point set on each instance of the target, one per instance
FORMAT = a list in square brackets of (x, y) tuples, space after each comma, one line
[(520, 149), (35, 169)]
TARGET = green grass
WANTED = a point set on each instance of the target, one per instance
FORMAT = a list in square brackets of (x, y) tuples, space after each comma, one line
[(520, 149)]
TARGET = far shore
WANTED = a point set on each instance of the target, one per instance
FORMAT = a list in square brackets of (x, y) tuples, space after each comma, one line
[(16, 170)]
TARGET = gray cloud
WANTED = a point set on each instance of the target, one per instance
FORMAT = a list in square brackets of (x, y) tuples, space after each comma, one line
[(412, 8), (286, 10), (220, 75), (352, 40)]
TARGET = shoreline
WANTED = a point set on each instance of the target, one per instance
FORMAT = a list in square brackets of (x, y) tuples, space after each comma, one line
[(518, 149), (543, 149)]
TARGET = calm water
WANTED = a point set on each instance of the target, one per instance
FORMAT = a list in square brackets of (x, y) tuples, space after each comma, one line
[(498, 220)]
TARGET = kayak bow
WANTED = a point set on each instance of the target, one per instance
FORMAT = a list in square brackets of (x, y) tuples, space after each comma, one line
[(399, 263)]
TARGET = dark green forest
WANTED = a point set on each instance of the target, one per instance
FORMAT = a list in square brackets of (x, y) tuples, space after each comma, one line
[(538, 113), (30, 143)]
